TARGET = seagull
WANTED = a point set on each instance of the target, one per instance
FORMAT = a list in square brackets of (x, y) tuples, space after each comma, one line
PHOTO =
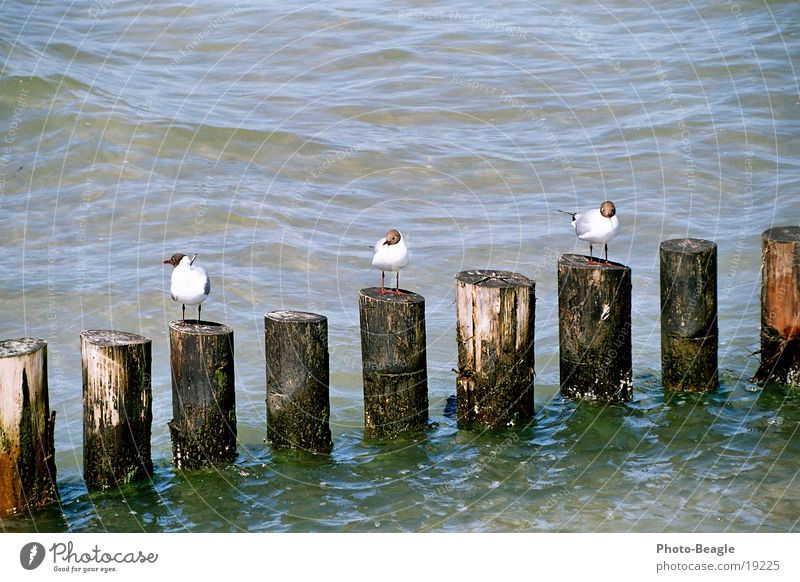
[(391, 254), (596, 226), (189, 284)]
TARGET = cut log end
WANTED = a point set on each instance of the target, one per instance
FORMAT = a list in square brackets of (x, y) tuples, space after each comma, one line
[(586, 262), (12, 348), (111, 338), (690, 246), (493, 278), (193, 326), (783, 234), (389, 296), (295, 317)]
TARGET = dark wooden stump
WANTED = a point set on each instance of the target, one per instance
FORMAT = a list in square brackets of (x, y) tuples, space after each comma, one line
[(117, 407), (780, 306), (495, 313), (203, 428), (594, 322), (393, 361), (298, 404), (27, 448), (689, 336)]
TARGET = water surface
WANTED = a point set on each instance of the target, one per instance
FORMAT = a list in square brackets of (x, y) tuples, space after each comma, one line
[(280, 143)]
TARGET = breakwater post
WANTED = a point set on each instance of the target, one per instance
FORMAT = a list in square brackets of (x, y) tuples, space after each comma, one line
[(203, 427), (495, 313), (298, 402), (27, 448), (394, 364), (117, 407), (689, 335), (780, 306), (594, 322)]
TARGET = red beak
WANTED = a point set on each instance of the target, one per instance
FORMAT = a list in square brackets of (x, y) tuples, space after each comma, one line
[(167, 261)]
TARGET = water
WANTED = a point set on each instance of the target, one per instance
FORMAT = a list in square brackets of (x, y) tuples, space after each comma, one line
[(279, 144)]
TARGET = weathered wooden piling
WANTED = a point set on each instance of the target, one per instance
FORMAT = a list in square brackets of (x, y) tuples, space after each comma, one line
[(117, 407), (298, 403), (780, 306), (394, 363), (689, 336), (27, 449), (594, 322), (203, 428), (495, 313)]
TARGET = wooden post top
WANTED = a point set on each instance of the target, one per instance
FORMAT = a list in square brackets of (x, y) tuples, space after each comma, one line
[(295, 316), (689, 246), (19, 347), (583, 262), (494, 278), (111, 338), (788, 234), (389, 296), (192, 326)]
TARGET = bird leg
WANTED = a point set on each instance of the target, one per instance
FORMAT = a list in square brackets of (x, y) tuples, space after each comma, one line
[(198, 312), (383, 276), (397, 285), (183, 312), (591, 256)]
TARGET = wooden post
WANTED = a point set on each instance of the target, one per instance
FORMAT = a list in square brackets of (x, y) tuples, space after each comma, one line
[(117, 407), (495, 312), (298, 405), (780, 306), (203, 428), (594, 322), (27, 449), (393, 361), (689, 336)]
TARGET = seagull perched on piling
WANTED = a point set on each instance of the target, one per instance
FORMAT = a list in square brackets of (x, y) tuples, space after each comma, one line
[(390, 254), (189, 283), (596, 226)]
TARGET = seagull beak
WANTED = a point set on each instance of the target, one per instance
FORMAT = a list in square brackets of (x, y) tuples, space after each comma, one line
[(167, 261)]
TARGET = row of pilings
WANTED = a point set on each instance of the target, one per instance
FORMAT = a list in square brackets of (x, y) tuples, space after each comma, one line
[(495, 373)]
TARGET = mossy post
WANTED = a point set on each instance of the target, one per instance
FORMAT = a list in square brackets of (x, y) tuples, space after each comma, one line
[(495, 313), (27, 449), (394, 362), (780, 306), (298, 403), (203, 427), (689, 336), (594, 323), (117, 407)]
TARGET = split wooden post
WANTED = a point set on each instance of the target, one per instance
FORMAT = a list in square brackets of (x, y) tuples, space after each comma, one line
[(594, 322), (394, 363), (117, 407), (203, 428), (780, 306), (298, 403), (27, 448), (689, 336), (495, 313)]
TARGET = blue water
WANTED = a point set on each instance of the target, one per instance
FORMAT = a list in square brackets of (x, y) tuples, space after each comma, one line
[(280, 143)]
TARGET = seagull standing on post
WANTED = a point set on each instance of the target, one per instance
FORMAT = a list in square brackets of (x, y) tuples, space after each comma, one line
[(390, 254), (596, 226), (189, 284)]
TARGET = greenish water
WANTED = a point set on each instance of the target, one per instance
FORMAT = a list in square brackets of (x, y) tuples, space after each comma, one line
[(279, 144)]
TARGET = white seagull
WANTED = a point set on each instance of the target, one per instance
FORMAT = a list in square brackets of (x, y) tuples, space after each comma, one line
[(596, 226), (189, 284), (391, 254)]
